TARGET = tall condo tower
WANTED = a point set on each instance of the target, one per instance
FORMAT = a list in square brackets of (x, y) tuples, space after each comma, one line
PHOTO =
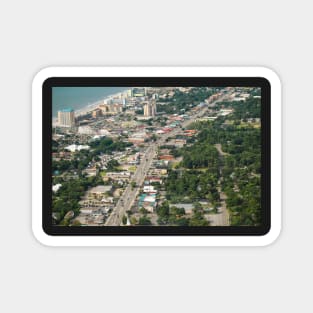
[(149, 109), (66, 117)]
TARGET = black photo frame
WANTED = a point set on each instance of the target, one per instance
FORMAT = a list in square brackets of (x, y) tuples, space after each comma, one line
[(53, 230)]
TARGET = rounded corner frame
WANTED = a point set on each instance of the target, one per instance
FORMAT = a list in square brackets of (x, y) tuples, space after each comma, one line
[(276, 154)]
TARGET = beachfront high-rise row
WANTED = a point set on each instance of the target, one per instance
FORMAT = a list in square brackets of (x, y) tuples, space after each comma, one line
[(66, 117)]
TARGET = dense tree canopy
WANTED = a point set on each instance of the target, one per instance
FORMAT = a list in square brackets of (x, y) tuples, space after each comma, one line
[(238, 168), (182, 101), (67, 197)]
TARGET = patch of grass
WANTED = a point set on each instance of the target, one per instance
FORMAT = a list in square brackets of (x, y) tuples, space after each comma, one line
[(103, 173), (175, 165), (132, 169)]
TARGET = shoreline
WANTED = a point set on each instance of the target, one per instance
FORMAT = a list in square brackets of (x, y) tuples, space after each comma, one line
[(90, 107)]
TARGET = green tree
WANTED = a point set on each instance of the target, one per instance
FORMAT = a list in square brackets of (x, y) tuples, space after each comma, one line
[(112, 165), (198, 220), (133, 220), (163, 210), (124, 219), (144, 220)]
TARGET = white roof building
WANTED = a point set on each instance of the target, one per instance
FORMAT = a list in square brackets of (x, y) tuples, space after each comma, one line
[(149, 189), (149, 199), (56, 187), (74, 147)]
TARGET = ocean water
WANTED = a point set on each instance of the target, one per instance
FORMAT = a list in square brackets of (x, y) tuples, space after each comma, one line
[(79, 97)]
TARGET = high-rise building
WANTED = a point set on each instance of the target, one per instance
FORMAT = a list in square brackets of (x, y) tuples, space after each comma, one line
[(66, 117), (128, 93), (154, 110), (138, 92), (112, 108), (96, 113), (146, 110), (149, 109)]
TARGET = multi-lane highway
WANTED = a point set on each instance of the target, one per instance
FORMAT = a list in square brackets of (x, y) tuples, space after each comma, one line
[(126, 200)]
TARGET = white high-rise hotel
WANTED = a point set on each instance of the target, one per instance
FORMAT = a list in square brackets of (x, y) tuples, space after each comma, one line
[(66, 118)]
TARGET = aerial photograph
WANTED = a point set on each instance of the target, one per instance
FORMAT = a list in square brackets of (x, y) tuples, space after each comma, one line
[(156, 156)]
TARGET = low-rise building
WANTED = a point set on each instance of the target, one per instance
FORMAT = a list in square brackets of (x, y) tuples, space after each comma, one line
[(167, 157), (147, 202), (153, 179), (90, 171), (107, 200), (224, 112), (138, 138), (158, 172), (74, 147), (118, 176), (190, 132), (62, 155), (149, 189)]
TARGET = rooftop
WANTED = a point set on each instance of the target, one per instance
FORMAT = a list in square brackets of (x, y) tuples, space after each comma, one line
[(67, 110)]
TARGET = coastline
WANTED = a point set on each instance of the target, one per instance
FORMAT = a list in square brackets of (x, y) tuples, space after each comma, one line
[(90, 107)]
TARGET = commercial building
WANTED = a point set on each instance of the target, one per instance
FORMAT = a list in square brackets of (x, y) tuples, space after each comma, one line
[(118, 176), (147, 201), (152, 179), (149, 189), (138, 138), (66, 118)]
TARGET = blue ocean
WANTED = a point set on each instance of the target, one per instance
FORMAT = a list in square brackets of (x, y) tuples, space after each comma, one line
[(79, 97)]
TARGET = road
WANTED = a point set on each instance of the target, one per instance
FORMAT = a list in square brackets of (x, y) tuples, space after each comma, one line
[(218, 147), (222, 217), (127, 199)]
